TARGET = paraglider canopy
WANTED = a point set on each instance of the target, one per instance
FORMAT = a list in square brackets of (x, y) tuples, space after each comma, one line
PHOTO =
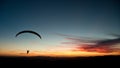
[(28, 31)]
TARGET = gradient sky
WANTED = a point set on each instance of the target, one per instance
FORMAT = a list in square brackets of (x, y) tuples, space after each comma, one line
[(82, 18)]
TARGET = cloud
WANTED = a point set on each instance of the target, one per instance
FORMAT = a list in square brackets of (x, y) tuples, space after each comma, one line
[(93, 48), (90, 45)]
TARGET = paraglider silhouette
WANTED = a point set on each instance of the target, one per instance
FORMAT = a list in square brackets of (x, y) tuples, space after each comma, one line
[(28, 31)]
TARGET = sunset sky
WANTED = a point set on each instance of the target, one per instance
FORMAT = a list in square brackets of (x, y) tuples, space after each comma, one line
[(63, 25)]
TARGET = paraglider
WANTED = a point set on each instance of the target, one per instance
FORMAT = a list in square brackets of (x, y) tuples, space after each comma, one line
[(28, 31)]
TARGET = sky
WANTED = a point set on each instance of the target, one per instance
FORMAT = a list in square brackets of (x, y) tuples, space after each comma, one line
[(56, 21)]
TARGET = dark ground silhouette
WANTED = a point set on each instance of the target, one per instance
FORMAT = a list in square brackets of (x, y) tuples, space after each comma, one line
[(40, 61)]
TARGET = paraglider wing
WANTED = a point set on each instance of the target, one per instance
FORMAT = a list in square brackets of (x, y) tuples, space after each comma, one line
[(28, 31)]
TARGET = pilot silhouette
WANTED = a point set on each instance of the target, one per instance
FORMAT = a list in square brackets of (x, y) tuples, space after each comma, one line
[(28, 51)]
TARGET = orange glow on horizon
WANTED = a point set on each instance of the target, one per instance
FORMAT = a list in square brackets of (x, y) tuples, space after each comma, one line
[(58, 53)]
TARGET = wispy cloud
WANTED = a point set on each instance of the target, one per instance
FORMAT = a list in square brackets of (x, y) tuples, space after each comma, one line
[(90, 45)]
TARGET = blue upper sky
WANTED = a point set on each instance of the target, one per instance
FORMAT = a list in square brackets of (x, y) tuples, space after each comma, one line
[(91, 18)]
